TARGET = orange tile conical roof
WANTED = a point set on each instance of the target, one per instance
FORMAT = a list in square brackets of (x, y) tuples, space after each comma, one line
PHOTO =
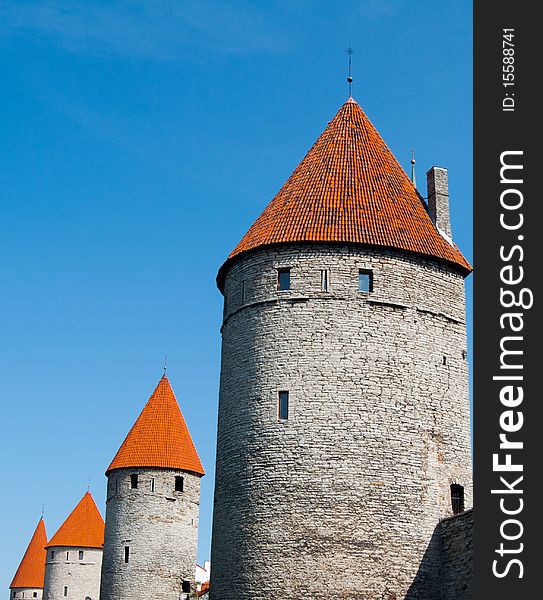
[(349, 188), (84, 527), (31, 571), (160, 437)]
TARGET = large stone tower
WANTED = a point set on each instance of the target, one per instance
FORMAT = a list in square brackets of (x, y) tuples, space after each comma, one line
[(28, 580), (153, 502), (343, 434), (74, 555)]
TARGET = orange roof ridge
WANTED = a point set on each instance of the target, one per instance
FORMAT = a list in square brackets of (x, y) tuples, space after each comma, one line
[(31, 571), (84, 527), (350, 189), (160, 437)]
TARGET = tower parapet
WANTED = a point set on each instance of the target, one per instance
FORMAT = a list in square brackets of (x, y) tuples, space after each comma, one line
[(153, 501)]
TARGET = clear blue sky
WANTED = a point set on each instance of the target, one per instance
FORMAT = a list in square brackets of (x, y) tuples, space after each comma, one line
[(139, 140)]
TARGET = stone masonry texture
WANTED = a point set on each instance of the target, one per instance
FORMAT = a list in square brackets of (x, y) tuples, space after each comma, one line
[(66, 569), (342, 500), (159, 526), (456, 535)]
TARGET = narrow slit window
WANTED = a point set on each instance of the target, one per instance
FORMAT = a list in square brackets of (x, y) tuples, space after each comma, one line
[(81, 554), (179, 482), (283, 279), (365, 281), (457, 498), (134, 481), (65, 590), (126, 554), (283, 406), (67, 556), (52, 554), (153, 484), (325, 280)]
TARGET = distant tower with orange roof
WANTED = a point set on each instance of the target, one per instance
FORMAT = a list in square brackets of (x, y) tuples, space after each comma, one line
[(74, 555), (343, 431), (153, 502), (28, 580)]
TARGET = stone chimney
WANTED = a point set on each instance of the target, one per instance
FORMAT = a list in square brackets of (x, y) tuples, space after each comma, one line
[(438, 199)]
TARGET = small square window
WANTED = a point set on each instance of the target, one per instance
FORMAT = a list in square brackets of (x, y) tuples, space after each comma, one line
[(365, 281), (34, 594), (81, 554), (325, 280), (134, 481), (283, 279), (126, 554), (185, 587), (179, 482), (283, 406)]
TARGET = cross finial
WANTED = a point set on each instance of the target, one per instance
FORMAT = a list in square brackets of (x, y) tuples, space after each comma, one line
[(350, 51), (165, 364), (413, 176)]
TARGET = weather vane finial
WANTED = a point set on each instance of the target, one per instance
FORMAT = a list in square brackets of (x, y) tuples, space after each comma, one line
[(413, 176), (350, 76)]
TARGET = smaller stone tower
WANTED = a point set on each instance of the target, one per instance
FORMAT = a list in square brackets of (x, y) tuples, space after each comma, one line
[(152, 508), (74, 555), (28, 580)]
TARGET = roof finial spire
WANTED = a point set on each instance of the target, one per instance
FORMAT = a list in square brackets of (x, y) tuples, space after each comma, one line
[(350, 51), (165, 364), (42, 510), (413, 176), (89, 484)]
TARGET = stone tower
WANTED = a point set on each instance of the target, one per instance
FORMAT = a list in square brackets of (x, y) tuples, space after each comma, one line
[(74, 555), (28, 580), (343, 433), (153, 501)]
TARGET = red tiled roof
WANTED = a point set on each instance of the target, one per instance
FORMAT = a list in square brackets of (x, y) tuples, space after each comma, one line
[(203, 590), (31, 571), (160, 437), (349, 188), (84, 527)]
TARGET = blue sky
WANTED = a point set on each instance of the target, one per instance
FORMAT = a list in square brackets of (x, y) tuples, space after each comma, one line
[(140, 139)]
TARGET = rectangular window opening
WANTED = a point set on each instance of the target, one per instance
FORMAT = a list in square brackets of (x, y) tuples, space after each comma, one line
[(81, 554), (52, 554), (67, 556), (283, 406), (152, 484), (134, 481), (325, 280), (283, 279), (126, 553), (365, 281), (179, 482), (65, 590), (185, 587), (457, 498)]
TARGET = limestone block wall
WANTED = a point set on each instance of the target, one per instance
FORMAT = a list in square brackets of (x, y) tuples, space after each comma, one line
[(342, 499), (26, 593), (457, 557), (160, 528), (64, 568)]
